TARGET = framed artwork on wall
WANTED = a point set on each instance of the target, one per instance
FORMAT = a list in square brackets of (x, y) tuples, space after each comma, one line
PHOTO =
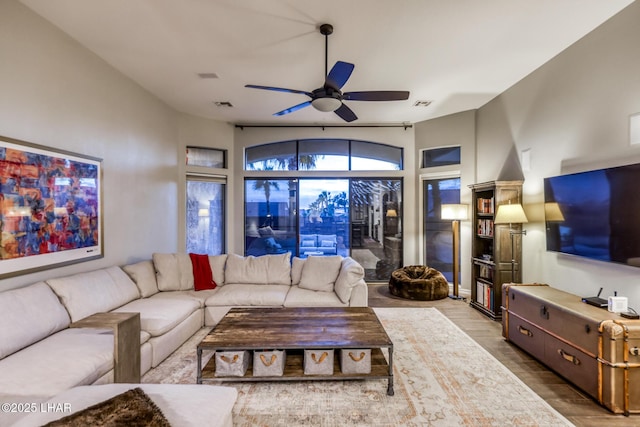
[(50, 208)]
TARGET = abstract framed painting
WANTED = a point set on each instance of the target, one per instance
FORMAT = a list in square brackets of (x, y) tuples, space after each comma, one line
[(50, 208)]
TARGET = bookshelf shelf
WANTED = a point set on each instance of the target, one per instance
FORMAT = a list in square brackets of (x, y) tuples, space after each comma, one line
[(491, 246)]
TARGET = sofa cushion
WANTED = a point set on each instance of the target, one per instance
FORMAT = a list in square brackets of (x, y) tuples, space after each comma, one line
[(299, 297), (199, 296), (261, 270), (160, 315), (173, 271), (308, 240), (320, 272), (249, 295), (94, 292), (296, 270), (144, 276), (351, 273), (28, 315), (63, 360), (218, 263)]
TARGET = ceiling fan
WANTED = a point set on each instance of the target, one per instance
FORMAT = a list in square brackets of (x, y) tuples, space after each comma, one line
[(329, 97)]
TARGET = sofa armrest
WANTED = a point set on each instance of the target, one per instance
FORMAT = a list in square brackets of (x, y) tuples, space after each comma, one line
[(359, 295)]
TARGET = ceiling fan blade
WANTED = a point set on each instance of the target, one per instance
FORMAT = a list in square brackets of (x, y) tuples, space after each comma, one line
[(292, 109), (377, 95), (280, 89), (346, 113), (339, 75)]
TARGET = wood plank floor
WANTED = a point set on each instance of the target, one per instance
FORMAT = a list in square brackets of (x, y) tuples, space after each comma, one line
[(579, 408)]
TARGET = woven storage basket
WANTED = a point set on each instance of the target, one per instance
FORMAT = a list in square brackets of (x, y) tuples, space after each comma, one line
[(355, 361), (318, 362), (231, 363), (269, 363)]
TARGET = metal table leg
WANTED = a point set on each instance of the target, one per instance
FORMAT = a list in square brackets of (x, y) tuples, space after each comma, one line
[(390, 391)]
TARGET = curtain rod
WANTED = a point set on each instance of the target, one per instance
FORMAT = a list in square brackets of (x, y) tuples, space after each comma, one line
[(401, 125)]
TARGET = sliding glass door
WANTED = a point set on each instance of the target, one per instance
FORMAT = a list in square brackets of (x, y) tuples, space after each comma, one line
[(438, 236)]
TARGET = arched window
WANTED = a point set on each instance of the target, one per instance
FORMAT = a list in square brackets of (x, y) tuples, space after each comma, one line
[(323, 154), (315, 215)]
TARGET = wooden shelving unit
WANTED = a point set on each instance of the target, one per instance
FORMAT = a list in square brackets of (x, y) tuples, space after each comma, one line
[(491, 245)]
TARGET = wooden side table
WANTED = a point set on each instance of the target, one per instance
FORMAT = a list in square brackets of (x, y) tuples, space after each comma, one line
[(126, 342)]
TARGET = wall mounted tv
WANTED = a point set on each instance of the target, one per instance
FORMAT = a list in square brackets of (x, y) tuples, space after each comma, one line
[(595, 214)]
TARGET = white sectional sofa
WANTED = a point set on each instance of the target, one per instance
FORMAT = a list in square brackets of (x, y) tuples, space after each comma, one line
[(40, 356)]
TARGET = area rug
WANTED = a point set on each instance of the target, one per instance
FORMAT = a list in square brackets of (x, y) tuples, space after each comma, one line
[(365, 257), (441, 378)]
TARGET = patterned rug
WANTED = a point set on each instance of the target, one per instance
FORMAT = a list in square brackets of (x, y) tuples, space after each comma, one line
[(441, 378)]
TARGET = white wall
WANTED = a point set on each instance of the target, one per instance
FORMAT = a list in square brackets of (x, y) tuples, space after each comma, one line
[(573, 114), (453, 130), (397, 136), (56, 93)]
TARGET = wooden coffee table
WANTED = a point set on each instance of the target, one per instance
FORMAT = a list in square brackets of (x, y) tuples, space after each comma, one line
[(295, 330)]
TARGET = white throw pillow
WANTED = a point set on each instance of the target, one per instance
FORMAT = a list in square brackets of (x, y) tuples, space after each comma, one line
[(95, 291), (296, 270), (174, 272), (261, 270), (217, 263), (320, 273), (144, 275), (246, 270), (279, 269), (350, 274)]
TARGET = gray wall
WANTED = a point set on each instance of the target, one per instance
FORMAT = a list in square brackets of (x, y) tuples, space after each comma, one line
[(58, 94), (573, 114)]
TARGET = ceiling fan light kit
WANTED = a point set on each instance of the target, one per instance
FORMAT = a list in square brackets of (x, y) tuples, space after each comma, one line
[(329, 97), (326, 104)]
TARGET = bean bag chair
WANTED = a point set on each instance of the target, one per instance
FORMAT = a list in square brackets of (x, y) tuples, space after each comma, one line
[(418, 282)]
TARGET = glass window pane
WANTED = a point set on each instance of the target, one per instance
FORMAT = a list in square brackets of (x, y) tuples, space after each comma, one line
[(278, 156), (440, 157), (324, 154), (438, 236), (270, 216), (324, 217), (205, 217), (376, 226), (372, 156), (207, 157)]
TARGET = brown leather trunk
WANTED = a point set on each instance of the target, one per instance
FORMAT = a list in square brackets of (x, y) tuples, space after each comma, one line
[(596, 350)]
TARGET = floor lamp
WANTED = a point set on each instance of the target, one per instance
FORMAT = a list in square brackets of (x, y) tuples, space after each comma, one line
[(512, 214), (455, 213)]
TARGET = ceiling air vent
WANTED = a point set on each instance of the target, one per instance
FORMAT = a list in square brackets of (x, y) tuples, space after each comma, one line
[(422, 103), (208, 75)]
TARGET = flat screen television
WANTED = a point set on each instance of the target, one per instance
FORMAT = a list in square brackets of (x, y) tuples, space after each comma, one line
[(595, 214)]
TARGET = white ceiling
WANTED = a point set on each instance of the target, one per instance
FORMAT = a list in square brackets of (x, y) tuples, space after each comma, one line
[(457, 53)]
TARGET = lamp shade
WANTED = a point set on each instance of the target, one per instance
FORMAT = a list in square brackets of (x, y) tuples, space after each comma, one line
[(392, 213), (510, 214), (454, 212), (552, 212)]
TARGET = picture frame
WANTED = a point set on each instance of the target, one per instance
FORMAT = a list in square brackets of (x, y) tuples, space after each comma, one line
[(50, 208)]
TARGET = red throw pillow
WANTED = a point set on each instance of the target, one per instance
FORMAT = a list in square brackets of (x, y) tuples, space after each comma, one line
[(202, 274)]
